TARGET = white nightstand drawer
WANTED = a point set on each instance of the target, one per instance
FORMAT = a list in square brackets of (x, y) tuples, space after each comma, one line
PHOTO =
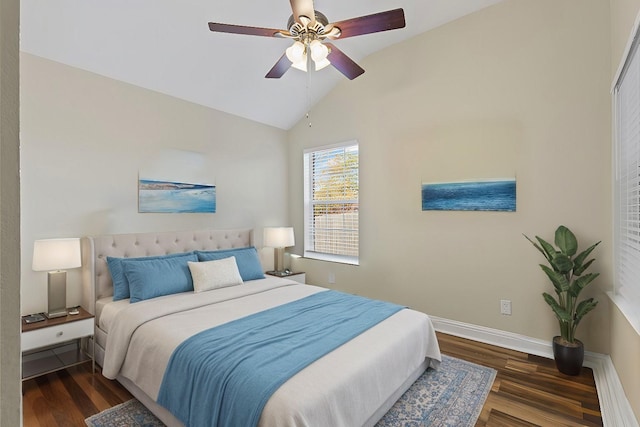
[(56, 334)]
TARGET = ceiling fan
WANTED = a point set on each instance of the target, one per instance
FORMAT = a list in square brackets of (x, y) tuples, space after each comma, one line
[(310, 29)]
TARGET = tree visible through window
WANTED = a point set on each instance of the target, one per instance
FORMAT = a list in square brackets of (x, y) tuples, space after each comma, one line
[(331, 203)]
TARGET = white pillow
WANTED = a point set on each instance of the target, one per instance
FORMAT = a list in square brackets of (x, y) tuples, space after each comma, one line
[(214, 274)]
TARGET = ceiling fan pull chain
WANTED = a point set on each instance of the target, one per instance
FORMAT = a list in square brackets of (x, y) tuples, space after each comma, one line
[(309, 63)]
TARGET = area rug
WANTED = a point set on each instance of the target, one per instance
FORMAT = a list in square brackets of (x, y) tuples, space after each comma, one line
[(451, 396)]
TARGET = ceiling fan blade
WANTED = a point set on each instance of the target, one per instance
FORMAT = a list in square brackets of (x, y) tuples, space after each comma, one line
[(280, 68), (241, 29), (343, 63), (382, 21), (303, 8)]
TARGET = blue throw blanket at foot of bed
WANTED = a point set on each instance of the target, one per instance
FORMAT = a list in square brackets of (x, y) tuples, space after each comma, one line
[(224, 376)]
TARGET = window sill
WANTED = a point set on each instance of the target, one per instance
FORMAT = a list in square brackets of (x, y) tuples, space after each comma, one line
[(627, 310), (332, 258)]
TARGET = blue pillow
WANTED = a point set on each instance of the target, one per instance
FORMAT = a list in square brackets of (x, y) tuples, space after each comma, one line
[(152, 278), (246, 258), (120, 282)]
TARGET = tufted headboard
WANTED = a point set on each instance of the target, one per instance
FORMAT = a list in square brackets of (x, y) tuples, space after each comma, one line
[(96, 279)]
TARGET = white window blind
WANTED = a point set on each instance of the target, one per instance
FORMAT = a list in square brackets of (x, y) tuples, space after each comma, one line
[(627, 182), (331, 222)]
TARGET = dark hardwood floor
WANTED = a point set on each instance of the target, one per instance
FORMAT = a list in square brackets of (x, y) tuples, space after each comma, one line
[(528, 391)]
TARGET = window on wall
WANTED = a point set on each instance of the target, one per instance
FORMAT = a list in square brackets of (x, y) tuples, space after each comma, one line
[(331, 209), (627, 185)]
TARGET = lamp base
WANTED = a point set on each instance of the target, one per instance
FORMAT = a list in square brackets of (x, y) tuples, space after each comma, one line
[(57, 294), (279, 259), (54, 314)]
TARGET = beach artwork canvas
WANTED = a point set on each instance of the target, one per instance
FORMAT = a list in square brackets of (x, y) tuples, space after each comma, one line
[(480, 195), (175, 197)]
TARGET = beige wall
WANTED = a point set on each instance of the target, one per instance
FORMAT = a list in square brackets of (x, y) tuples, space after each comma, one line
[(10, 414), (518, 89), (625, 341), (623, 16), (86, 137)]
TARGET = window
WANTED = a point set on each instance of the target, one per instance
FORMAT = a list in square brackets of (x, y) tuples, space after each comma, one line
[(331, 203), (627, 184)]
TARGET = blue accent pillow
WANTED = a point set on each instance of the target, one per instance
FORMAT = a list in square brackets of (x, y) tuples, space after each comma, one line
[(120, 282), (246, 258), (152, 278)]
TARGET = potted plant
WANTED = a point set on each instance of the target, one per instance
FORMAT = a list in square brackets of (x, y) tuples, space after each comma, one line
[(566, 272)]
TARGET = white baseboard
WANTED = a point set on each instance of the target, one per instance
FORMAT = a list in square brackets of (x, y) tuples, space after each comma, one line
[(614, 405)]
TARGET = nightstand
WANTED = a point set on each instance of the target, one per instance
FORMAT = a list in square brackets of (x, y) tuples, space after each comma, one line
[(298, 276), (54, 344)]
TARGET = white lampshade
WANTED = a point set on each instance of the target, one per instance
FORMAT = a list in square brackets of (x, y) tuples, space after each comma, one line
[(295, 52), (319, 51), (56, 254), (322, 64), (301, 65), (279, 237)]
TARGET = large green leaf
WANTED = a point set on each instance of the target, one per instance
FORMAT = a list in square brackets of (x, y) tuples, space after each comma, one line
[(579, 260), (559, 280), (562, 263), (578, 270), (562, 314), (537, 247), (549, 250), (566, 241), (580, 283), (583, 308)]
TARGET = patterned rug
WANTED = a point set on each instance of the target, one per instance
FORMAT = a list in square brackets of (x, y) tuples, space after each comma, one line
[(451, 396)]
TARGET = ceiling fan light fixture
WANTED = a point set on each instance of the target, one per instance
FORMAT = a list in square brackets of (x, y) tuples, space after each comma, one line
[(322, 64), (301, 64), (319, 51), (295, 53)]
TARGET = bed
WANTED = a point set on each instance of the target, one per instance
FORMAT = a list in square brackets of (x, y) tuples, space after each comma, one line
[(354, 383)]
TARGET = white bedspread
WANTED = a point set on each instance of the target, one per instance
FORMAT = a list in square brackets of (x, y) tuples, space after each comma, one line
[(341, 389)]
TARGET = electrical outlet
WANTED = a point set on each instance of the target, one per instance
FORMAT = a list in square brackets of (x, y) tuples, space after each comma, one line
[(505, 307), (332, 278)]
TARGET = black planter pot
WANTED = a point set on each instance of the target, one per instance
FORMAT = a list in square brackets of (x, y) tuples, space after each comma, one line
[(568, 358)]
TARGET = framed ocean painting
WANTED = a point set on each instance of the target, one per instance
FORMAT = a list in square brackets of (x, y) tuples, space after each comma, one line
[(175, 197), (479, 195)]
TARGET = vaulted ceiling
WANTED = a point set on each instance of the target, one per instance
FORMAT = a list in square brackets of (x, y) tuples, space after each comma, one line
[(166, 46)]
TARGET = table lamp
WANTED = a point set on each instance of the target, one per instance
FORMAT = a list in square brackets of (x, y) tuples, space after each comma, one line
[(55, 255), (279, 238)]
